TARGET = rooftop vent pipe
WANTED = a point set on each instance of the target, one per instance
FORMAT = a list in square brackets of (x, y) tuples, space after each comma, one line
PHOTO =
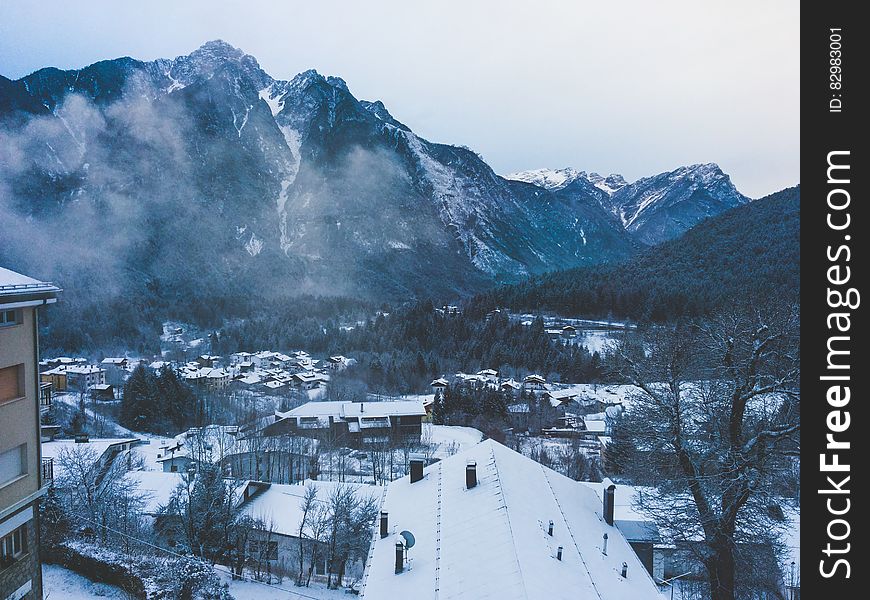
[(470, 474), (400, 557), (609, 501), (416, 467), (383, 523)]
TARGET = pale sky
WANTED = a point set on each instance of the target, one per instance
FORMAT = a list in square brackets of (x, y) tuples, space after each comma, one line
[(633, 87)]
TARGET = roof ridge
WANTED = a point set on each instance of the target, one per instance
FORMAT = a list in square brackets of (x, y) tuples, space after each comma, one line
[(571, 533), (438, 534), (508, 519), (375, 534)]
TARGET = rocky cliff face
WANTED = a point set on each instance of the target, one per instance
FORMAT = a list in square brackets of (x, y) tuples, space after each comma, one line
[(204, 175)]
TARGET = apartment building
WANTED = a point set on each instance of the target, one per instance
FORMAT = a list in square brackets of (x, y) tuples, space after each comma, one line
[(23, 474)]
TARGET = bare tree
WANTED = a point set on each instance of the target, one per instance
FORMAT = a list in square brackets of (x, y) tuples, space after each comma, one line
[(309, 506), (714, 416), (98, 490)]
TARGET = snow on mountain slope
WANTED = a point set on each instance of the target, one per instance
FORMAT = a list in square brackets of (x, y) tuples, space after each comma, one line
[(549, 179), (336, 195), (652, 209), (661, 207)]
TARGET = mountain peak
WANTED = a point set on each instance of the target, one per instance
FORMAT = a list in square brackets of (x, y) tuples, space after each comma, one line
[(217, 50), (557, 179), (550, 179), (211, 58), (660, 207)]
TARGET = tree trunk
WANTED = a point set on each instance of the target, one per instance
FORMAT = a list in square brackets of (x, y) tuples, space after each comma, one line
[(721, 572)]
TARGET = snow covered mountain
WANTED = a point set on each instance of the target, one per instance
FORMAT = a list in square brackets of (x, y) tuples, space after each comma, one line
[(557, 179), (652, 209), (288, 185), (203, 176)]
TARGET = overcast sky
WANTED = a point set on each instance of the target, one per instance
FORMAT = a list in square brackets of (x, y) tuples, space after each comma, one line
[(634, 87)]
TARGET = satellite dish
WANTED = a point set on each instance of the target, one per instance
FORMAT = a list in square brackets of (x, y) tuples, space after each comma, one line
[(409, 538)]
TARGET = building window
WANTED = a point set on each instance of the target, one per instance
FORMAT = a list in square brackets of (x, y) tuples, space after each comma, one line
[(13, 546), (11, 383), (9, 317), (13, 464)]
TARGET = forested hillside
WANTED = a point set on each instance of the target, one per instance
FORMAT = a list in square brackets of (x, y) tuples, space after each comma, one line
[(751, 252)]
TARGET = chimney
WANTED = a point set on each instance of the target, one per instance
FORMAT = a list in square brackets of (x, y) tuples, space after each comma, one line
[(362, 407), (624, 570), (470, 474), (400, 557), (550, 529), (383, 523), (416, 467), (609, 501), (604, 549), (559, 553)]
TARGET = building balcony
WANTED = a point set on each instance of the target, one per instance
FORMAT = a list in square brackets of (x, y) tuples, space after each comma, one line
[(44, 396), (47, 470)]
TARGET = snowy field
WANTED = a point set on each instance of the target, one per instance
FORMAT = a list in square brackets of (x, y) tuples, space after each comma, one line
[(63, 584), (252, 590), (597, 340)]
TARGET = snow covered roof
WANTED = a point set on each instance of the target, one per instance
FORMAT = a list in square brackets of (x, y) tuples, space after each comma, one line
[(55, 449), (114, 361), (14, 284), (440, 383), (83, 369), (155, 487), (595, 426), (491, 541), (357, 409), (279, 506)]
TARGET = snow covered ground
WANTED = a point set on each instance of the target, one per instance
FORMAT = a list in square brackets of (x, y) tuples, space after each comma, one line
[(63, 584), (597, 340), (252, 590)]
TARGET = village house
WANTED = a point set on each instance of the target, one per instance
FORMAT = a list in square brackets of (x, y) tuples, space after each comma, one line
[(490, 522), (117, 370), (240, 357), (55, 377), (559, 398), (279, 510), (211, 379), (488, 375), (309, 380), (534, 383), (509, 385), (76, 377), (102, 391), (61, 361), (518, 416), (355, 423), (439, 385), (209, 361), (104, 450)]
